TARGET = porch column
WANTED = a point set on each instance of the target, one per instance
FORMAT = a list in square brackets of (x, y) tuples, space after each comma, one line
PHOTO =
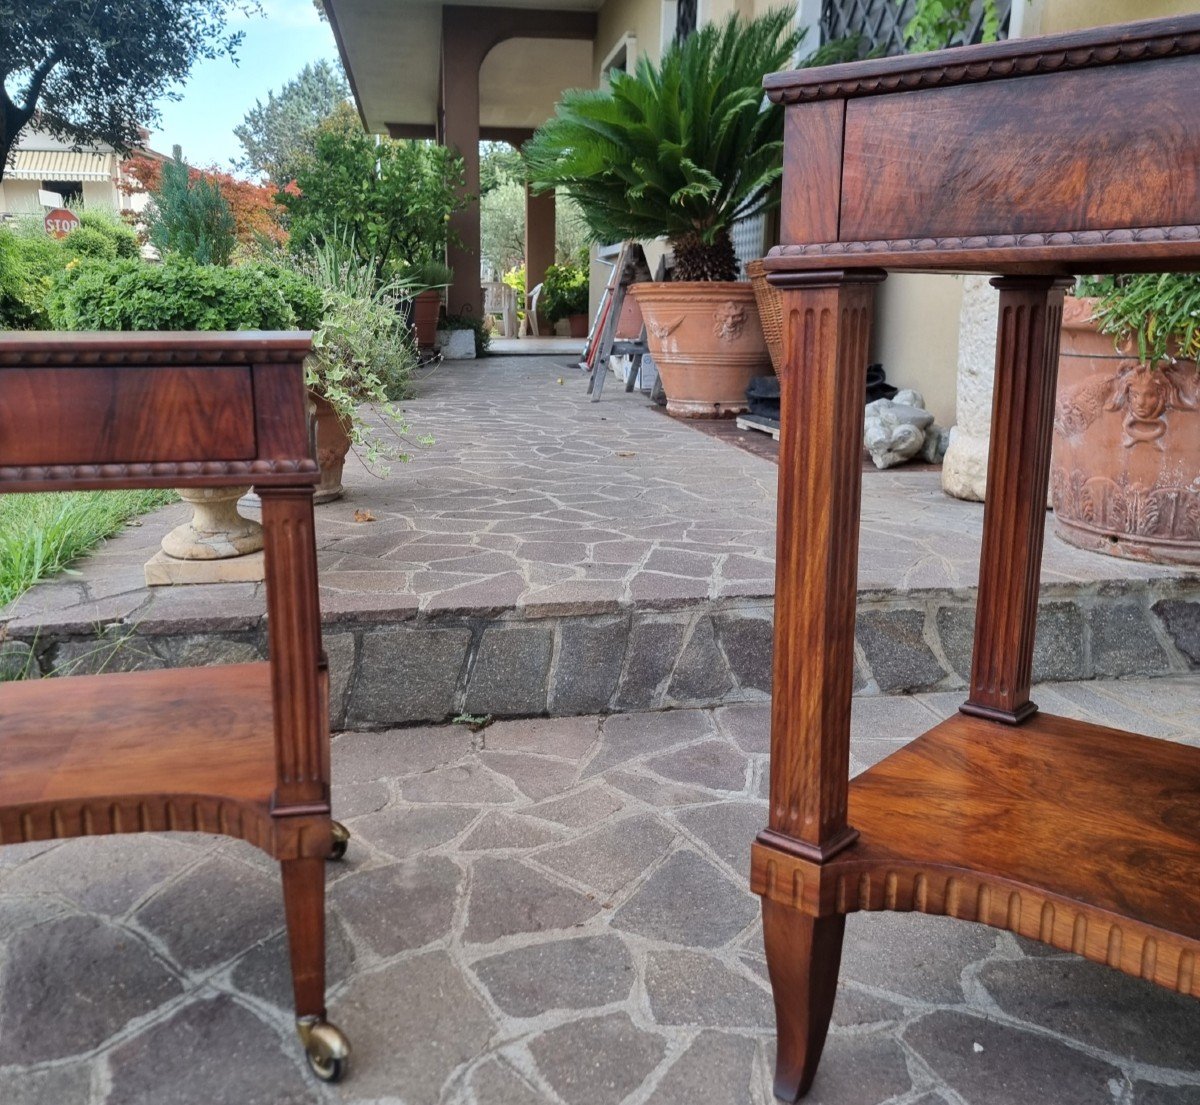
[(461, 59), (539, 241)]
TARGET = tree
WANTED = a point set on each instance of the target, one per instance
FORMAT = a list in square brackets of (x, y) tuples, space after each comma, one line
[(499, 163), (502, 228), (391, 198), (256, 215), (273, 133), (95, 72), (190, 217)]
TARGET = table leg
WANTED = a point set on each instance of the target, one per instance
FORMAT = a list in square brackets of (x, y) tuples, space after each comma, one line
[(1014, 516), (827, 318)]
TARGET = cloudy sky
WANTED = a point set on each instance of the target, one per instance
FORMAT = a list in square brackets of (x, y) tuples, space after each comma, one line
[(218, 94)]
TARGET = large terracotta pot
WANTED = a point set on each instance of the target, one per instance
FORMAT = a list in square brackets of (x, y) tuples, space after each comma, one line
[(707, 342), (577, 326), (1125, 472), (333, 443), (425, 310)]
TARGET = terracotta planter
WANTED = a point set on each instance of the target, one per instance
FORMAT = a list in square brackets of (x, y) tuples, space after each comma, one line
[(707, 342), (1125, 472), (333, 443), (425, 309), (577, 326)]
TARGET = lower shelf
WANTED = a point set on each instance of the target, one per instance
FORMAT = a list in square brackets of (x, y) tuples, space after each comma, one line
[(1084, 837), (188, 749)]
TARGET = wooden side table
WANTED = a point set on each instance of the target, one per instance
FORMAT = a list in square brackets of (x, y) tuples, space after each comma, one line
[(243, 749), (1077, 835)]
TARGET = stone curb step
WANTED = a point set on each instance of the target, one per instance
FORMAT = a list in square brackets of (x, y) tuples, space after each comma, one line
[(710, 653)]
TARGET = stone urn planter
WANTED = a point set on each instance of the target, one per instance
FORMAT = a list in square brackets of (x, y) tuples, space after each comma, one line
[(708, 344), (333, 443), (1125, 471), (425, 310)]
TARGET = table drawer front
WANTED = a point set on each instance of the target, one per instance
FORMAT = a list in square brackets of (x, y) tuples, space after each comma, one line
[(1093, 149), (126, 415)]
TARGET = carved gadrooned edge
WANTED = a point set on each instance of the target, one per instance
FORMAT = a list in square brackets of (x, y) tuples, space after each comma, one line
[(1061, 239), (1143, 951), (280, 838), (77, 473), (133, 357), (1033, 61)]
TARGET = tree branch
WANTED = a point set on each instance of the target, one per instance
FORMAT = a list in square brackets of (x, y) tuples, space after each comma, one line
[(36, 83)]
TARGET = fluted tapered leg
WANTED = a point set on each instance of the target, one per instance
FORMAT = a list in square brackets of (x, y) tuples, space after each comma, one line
[(1014, 517)]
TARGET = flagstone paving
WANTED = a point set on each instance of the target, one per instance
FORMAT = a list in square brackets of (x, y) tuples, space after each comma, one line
[(548, 555), (554, 912)]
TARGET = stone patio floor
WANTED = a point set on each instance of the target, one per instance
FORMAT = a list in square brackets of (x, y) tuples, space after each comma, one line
[(554, 911), (532, 497), (548, 555)]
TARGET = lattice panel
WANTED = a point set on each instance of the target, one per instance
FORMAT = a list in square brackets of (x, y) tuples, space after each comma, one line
[(882, 22), (749, 241)]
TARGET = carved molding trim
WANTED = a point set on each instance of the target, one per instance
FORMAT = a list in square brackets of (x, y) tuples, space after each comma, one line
[(1058, 239), (1029, 58), (134, 357), (185, 471), (281, 838), (850, 886)]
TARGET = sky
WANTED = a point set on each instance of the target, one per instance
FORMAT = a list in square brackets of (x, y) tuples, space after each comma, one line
[(217, 94)]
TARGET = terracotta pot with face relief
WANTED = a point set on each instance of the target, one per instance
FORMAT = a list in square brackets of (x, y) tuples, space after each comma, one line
[(708, 344), (1125, 472)]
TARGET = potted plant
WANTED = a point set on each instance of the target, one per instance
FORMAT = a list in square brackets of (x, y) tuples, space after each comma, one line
[(1125, 472), (431, 277), (683, 149), (363, 355), (565, 296)]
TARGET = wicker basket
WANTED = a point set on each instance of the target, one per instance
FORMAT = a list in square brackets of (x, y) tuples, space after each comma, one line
[(770, 312)]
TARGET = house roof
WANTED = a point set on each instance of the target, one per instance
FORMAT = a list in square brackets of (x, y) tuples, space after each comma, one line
[(33, 164)]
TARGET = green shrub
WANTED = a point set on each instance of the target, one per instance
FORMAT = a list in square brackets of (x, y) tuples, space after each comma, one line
[(177, 295), (90, 241), (298, 291), (29, 261), (123, 237), (564, 292)]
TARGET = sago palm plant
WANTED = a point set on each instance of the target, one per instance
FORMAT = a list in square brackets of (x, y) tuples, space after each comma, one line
[(683, 148)]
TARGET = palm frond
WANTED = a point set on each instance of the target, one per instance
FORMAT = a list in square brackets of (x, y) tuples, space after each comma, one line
[(684, 146)]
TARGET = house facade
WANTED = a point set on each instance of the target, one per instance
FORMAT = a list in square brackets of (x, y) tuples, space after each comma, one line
[(495, 69), (48, 172)]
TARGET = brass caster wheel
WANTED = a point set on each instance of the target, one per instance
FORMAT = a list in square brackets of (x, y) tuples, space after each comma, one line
[(325, 1047), (341, 840)]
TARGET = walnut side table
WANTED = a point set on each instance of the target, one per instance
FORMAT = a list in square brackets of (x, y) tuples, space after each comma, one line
[(239, 749), (1077, 835)]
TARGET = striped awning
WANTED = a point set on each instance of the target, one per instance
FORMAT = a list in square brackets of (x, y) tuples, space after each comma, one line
[(60, 165)]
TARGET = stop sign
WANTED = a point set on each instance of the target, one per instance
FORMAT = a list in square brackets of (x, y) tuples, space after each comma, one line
[(60, 222)]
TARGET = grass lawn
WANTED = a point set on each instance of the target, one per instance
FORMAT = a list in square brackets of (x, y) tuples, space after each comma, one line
[(41, 534)]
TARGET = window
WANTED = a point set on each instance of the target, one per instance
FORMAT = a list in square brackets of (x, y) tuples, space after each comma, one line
[(621, 57), (70, 190)]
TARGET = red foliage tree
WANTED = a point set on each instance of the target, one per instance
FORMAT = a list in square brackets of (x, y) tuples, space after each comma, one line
[(255, 211)]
